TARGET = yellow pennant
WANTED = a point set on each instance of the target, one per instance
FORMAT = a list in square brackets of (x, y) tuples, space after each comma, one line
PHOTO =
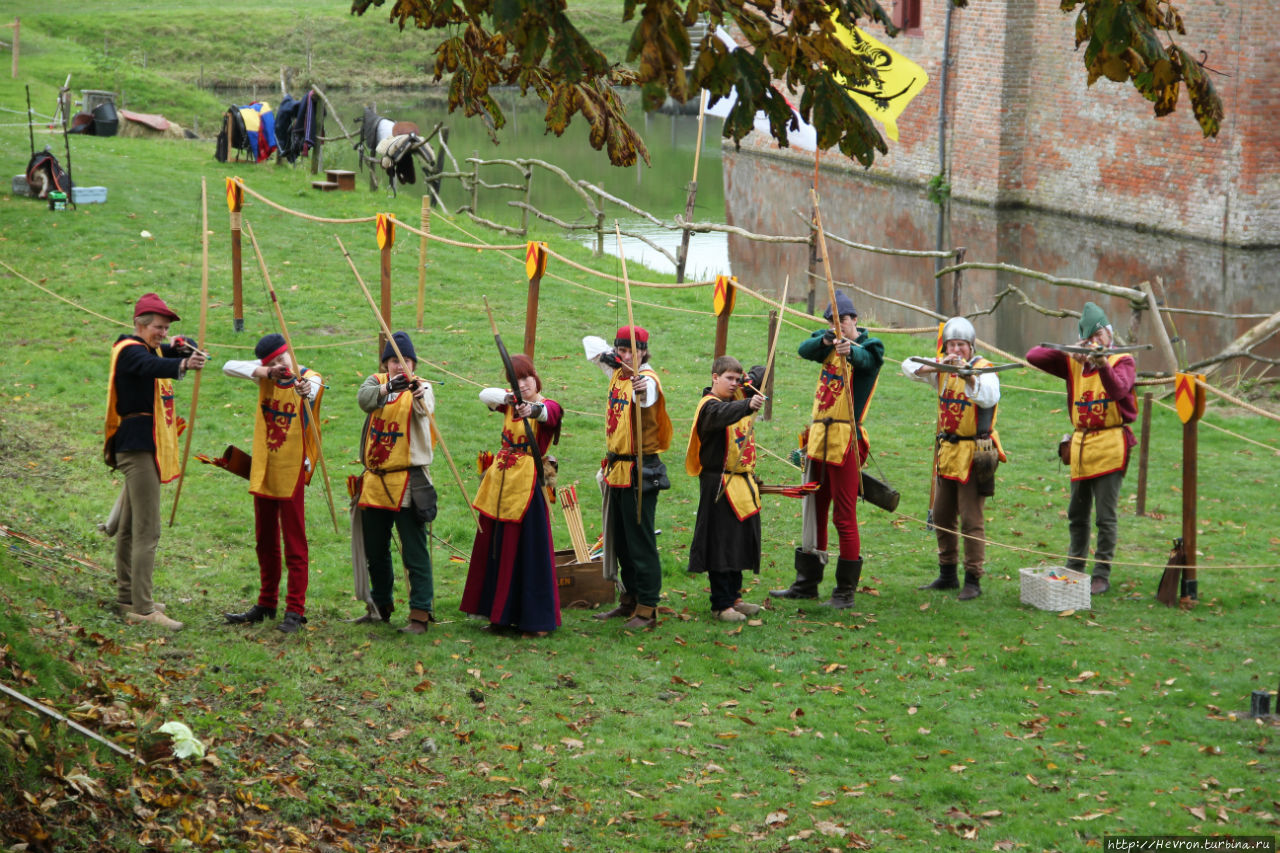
[(900, 79), (535, 259), (724, 295), (386, 231), (235, 195), (1189, 396)]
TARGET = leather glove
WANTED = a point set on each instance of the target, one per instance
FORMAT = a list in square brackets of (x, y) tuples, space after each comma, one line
[(611, 360), (399, 382), (756, 377)]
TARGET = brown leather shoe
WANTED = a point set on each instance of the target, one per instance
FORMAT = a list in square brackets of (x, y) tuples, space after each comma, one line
[(626, 607), (155, 617), (415, 626), (1097, 585), (644, 617)]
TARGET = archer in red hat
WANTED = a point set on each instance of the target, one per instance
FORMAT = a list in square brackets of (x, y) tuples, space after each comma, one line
[(142, 443)]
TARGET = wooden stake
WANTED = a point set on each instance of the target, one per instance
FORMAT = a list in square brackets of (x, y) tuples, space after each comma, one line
[(683, 255), (204, 314), (297, 371), (535, 264), (775, 329), (235, 201), (386, 331), (1190, 405), (722, 317), (1162, 336), (384, 255)]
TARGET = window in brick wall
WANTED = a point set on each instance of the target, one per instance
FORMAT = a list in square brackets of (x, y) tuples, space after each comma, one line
[(906, 15)]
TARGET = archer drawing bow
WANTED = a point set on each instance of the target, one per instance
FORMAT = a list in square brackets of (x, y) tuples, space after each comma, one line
[(534, 450)]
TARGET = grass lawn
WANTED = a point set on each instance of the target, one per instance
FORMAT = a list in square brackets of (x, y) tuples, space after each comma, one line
[(912, 722)]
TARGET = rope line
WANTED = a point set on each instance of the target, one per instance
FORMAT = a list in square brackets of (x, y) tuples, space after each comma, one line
[(1062, 558), (39, 286), (1237, 401)]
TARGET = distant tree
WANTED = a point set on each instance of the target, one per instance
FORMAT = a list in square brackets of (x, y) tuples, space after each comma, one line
[(534, 44)]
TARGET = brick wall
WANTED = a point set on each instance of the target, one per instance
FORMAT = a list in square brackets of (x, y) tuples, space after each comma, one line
[(1024, 129)]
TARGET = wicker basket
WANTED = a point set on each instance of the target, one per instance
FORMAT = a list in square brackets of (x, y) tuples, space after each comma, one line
[(1039, 591)]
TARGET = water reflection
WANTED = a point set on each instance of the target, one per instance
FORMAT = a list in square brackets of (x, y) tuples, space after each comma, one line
[(762, 195)]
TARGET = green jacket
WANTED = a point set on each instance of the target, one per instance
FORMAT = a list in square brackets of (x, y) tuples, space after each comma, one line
[(866, 360)]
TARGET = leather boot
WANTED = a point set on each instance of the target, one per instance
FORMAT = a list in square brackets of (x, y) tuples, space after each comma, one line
[(946, 578), (848, 573), (383, 615), (644, 617), (419, 622), (972, 587), (626, 607), (809, 570), (253, 615)]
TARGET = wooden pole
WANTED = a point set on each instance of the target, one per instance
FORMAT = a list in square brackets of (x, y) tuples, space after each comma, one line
[(204, 315), (683, 255), (811, 297), (1144, 449), (775, 328), (422, 260), (1162, 335), (313, 427), (235, 202), (528, 196), (475, 182), (1190, 405), (635, 369), (535, 264), (386, 238), (386, 331), (726, 291)]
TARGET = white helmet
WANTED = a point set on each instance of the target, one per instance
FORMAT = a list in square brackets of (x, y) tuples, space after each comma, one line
[(959, 329)]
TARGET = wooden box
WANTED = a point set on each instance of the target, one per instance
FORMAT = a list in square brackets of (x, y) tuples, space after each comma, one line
[(345, 179), (582, 584)]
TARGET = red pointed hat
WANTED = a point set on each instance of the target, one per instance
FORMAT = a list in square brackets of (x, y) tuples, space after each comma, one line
[(623, 338), (150, 303)]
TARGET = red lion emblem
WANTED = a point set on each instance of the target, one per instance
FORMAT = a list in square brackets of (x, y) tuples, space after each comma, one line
[(383, 435), (1092, 411), (830, 387)]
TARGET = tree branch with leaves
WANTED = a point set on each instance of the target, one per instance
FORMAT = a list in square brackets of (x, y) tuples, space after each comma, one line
[(792, 48)]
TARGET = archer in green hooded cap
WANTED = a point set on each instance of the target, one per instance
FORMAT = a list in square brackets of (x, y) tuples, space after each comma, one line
[(1100, 388)]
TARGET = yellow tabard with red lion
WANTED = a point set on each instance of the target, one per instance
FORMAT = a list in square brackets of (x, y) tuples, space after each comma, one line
[(509, 482), (280, 439), (164, 421), (958, 415), (832, 427), (738, 477), (1098, 444), (386, 452), (620, 429)]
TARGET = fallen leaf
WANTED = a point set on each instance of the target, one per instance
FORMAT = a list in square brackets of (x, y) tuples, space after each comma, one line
[(775, 818)]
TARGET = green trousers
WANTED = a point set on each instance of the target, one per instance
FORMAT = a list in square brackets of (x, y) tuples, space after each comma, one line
[(636, 544), (376, 527)]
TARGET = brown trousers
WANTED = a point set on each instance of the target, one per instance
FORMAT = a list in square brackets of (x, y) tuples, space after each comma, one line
[(139, 531), (954, 501)]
